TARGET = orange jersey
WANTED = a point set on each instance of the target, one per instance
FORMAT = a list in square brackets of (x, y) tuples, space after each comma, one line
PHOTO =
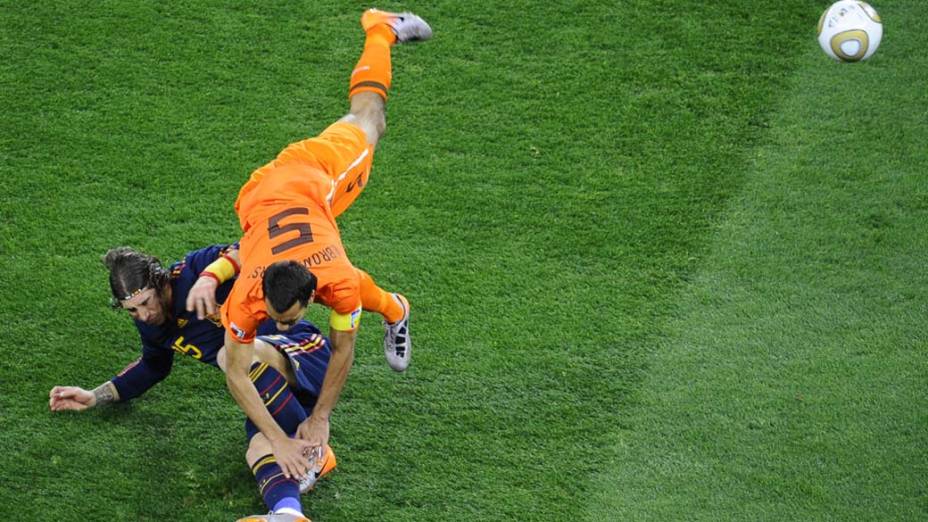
[(287, 210)]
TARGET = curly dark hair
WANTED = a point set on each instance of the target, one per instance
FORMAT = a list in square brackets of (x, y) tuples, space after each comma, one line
[(132, 271)]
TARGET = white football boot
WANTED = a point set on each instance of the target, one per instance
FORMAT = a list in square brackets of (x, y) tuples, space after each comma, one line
[(318, 469), (397, 345), (275, 517), (407, 26)]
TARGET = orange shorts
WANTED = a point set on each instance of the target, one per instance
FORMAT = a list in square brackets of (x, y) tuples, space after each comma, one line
[(341, 153), (287, 210)]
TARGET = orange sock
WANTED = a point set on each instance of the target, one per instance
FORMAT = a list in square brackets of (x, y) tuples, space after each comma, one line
[(375, 299), (373, 71)]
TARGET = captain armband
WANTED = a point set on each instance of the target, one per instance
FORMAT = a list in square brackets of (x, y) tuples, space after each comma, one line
[(345, 322), (222, 269)]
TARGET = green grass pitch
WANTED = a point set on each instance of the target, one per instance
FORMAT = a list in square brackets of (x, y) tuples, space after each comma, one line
[(667, 261)]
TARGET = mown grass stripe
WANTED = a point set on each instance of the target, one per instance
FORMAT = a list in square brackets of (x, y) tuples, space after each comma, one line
[(789, 385)]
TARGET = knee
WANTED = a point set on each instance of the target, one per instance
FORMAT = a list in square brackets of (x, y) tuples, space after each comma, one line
[(378, 124), (373, 125), (258, 447), (367, 112)]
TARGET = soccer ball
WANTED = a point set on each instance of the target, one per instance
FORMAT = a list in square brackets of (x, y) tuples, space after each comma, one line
[(850, 31)]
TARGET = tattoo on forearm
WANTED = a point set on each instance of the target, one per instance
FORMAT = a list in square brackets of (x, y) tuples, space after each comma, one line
[(105, 393)]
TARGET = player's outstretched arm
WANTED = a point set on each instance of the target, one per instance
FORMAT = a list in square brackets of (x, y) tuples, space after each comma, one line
[(315, 429), (73, 398), (291, 454)]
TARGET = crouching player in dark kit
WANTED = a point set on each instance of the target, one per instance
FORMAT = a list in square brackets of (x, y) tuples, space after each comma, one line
[(289, 364)]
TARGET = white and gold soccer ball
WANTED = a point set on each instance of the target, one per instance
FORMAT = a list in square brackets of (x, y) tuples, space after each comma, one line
[(850, 31)]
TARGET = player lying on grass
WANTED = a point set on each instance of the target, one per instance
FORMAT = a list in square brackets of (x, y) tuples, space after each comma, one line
[(287, 367), (287, 212)]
